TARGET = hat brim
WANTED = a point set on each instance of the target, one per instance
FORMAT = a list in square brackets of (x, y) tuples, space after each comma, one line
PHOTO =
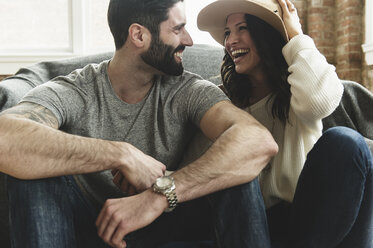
[(213, 17)]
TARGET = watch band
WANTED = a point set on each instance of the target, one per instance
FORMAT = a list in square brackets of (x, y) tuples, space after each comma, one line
[(171, 198), (165, 185)]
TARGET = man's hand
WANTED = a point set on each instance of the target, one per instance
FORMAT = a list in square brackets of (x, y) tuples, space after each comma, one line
[(121, 216), (290, 18), (140, 170), (121, 182)]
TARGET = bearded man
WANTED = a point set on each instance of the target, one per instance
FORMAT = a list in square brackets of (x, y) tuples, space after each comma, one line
[(87, 152)]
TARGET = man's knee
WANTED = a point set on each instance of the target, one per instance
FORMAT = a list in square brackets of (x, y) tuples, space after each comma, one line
[(36, 192)]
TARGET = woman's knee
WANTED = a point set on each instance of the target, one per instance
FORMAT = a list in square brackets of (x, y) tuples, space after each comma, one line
[(346, 144), (338, 135), (343, 139)]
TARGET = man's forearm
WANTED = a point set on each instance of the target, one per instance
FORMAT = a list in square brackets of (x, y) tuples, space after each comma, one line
[(236, 157), (31, 150)]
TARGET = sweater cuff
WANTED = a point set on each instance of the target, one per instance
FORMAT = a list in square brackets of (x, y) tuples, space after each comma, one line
[(295, 45)]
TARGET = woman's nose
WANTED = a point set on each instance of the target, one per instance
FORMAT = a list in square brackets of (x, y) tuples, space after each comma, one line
[(231, 39)]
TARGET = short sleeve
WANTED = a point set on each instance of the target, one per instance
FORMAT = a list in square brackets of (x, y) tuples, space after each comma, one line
[(62, 98), (196, 98)]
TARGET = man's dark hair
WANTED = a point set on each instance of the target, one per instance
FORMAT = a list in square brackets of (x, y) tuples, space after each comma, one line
[(148, 13), (269, 44)]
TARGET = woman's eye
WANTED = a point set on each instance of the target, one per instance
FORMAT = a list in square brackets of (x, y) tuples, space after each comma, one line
[(226, 33), (242, 28)]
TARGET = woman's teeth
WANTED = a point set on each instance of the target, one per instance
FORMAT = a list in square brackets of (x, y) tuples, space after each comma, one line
[(239, 52)]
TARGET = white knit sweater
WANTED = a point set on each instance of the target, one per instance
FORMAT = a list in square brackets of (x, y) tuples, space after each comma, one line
[(316, 92)]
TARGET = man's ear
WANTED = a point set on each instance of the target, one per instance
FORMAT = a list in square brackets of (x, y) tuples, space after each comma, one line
[(139, 35)]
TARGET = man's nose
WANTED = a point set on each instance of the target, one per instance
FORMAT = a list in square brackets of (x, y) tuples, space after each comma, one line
[(187, 39)]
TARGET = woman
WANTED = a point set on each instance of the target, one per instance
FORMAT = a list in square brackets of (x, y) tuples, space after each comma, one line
[(275, 72)]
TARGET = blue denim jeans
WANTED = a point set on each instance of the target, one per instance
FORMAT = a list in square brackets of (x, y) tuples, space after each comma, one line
[(53, 213), (333, 202), (50, 213), (332, 207)]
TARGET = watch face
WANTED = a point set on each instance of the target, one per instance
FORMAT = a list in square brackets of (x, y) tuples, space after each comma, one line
[(164, 182)]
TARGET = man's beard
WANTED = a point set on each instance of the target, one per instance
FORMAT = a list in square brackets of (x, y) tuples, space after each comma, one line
[(161, 57)]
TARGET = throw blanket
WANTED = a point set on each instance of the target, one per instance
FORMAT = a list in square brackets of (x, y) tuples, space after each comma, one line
[(354, 111)]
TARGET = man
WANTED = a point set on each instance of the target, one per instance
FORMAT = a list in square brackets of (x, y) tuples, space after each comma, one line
[(132, 115)]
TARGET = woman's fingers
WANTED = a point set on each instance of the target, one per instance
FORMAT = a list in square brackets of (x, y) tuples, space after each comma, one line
[(290, 18), (290, 5)]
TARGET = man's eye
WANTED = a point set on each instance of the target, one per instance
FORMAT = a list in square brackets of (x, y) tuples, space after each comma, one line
[(178, 29)]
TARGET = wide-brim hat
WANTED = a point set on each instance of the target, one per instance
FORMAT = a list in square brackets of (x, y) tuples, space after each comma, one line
[(213, 17)]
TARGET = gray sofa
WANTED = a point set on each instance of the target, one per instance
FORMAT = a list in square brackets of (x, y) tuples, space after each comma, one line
[(204, 60)]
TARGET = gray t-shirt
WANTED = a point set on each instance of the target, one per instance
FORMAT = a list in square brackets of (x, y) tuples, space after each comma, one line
[(161, 125)]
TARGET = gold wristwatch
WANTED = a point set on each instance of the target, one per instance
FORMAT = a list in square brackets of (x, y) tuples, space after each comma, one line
[(166, 185)]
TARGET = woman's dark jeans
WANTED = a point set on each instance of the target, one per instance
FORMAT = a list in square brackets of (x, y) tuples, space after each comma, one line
[(333, 202), (333, 207)]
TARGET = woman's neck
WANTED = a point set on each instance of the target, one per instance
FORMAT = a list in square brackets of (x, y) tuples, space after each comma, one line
[(260, 88)]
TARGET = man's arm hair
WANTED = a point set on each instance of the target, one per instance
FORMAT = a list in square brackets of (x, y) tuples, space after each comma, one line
[(242, 148), (35, 112), (31, 147)]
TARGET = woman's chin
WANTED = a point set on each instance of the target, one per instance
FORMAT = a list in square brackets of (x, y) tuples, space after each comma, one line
[(240, 70)]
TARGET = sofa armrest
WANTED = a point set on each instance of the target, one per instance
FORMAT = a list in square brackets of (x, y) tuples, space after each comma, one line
[(13, 88)]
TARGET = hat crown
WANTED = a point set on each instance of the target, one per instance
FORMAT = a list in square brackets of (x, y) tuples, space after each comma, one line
[(268, 4), (212, 18)]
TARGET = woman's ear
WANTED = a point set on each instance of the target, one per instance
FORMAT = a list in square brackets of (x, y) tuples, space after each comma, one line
[(139, 35)]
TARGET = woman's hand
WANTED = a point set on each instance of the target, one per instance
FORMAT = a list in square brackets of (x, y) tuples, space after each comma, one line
[(290, 18)]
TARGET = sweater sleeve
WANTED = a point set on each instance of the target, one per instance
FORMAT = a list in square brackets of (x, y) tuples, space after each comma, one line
[(315, 87)]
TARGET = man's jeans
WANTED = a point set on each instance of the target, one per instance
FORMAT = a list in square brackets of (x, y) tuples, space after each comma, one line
[(53, 213), (332, 207)]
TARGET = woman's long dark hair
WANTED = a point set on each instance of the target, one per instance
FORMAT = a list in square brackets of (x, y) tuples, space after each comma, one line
[(269, 44)]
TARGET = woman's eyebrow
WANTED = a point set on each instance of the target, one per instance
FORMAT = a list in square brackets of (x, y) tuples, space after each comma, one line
[(237, 24), (240, 23)]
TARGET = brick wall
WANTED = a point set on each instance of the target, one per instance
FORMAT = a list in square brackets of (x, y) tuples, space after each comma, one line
[(321, 26), (337, 27), (368, 77), (349, 27)]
